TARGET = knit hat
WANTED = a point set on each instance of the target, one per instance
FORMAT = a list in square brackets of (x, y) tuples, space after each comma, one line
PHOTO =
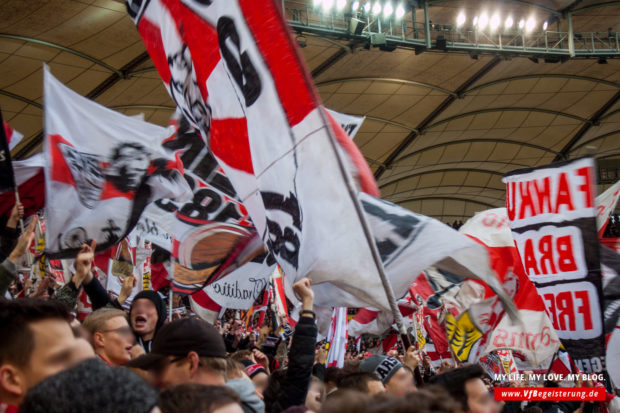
[(383, 367), (252, 369), (155, 298), (91, 386), (179, 338)]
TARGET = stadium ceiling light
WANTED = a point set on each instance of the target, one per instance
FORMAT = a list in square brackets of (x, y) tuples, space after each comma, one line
[(367, 7), (475, 20), (483, 21), (460, 19), (376, 9), (495, 21), (400, 11), (521, 24), (388, 9), (328, 4), (530, 24), (355, 6), (545, 25), (340, 4), (509, 22)]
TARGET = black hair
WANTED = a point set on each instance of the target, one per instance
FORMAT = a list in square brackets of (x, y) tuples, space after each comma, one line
[(91, 386), (15, 317), (357, 381), (453, 381), (193, 397)]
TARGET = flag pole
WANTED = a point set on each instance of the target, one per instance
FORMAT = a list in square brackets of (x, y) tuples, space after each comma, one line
[(17, 201), (389, 292), (171, 272)]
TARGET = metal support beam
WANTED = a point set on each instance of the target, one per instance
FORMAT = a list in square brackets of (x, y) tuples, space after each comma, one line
[(508, 109), (571, 36), (435, 113), (402, 178), (477, 140), (540, 76), (329, 62), (519, 2), (594, 120), (387, 80), (449, 198), (596, 138), (21, 98), (390, 197), (427, 26), (64, 49)]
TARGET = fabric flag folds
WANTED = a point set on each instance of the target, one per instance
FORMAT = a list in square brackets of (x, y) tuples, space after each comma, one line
[(233, 71), (7, 180), (13, 137), (102, 169), (30, 182), (337, 338), (553, 220), (605, 204)]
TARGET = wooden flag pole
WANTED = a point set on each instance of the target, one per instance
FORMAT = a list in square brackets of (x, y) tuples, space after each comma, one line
[(17, 201)]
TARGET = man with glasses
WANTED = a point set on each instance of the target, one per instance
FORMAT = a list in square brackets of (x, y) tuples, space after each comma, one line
[(112, 335)]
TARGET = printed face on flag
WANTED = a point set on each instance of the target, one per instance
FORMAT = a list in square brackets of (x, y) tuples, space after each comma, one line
[(98, 183)]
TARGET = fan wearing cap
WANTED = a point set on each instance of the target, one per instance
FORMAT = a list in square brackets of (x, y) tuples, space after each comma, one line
[(395, 376), (185, 351), (258, 375)]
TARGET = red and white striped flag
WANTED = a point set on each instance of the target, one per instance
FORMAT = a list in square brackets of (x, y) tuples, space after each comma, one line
[(13, 137), (337, 338)]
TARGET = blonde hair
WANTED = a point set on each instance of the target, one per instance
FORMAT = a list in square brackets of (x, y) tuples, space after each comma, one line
[(95, 321)]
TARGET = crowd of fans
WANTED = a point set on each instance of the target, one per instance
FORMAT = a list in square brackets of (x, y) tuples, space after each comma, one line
[(137, 361)]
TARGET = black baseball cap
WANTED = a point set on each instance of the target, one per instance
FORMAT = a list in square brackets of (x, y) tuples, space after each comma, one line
[(180, 337)]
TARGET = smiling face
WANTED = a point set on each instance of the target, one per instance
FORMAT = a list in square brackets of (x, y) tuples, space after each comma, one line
[(143, 318)]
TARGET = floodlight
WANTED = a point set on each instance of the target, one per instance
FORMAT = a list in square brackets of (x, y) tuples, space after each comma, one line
[(367, 7), (545, 25), (509, 22), (328, 4), (376, 9), (388, 9), (495, 21), (530, 24), (475, 20), (355, 6), (400, 11), (460, 19), (521, 24), (340, 4), (483, 20)]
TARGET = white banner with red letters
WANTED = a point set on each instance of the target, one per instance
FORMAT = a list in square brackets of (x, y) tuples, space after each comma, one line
[(553, 220), (102, 169)]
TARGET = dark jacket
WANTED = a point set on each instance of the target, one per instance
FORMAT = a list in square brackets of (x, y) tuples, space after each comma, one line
[(294, 386)]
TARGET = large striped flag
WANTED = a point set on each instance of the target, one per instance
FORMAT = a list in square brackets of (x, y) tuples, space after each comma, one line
[(234, 72)]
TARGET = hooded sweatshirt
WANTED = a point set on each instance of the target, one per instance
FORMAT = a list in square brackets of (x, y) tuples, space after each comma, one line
[(250, 402), (155, 298)]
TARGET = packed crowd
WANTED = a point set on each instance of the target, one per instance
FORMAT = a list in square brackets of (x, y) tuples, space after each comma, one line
[(137, 361)]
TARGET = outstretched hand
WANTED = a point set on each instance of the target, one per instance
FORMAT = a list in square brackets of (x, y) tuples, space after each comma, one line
[(24, 242), (303, 288), (84, 263)]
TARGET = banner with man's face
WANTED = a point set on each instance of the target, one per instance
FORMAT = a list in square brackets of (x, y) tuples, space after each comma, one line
[(102, 169)]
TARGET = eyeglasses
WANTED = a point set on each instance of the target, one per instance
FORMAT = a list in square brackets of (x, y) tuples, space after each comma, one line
[(124, 331)]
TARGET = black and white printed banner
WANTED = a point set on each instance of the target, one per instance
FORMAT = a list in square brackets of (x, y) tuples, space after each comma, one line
[(102, 169), (553, 220)]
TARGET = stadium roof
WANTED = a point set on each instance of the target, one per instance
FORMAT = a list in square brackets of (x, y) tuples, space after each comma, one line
[(443, 123)]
